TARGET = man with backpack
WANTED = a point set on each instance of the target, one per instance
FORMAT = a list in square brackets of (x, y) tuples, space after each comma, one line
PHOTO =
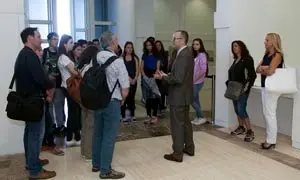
[(107, 117)]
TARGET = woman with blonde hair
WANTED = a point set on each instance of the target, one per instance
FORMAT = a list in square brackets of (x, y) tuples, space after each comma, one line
[(272, 60)]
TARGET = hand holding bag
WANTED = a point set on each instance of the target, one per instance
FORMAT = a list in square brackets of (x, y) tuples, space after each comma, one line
[(234, 88), (283, 81), (24, 108)]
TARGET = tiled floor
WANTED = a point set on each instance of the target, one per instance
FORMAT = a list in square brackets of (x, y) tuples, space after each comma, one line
[(219, 156), (216, 159)]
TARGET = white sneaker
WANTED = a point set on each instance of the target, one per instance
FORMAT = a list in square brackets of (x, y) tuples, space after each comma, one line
[(199, 121), (70, 143), (77, 143)]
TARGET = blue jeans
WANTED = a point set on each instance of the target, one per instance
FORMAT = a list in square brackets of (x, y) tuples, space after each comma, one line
[(57, 108), (106, 129), (33, 138), (196, 102), (240, 107)]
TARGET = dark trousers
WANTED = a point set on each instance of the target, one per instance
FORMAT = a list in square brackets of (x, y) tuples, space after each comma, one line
[(129, 102), (152, 106), (162, 105), (181, 130), (49, 136), (74, 118), (162, 90)]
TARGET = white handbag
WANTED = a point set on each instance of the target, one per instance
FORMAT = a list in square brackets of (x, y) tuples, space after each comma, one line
[(283, 81)]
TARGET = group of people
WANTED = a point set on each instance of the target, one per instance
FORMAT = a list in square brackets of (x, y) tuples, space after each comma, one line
[(178, 76), (242, 70)]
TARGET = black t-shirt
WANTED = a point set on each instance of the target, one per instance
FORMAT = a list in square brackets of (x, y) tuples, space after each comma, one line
[(131, 67), (50, 64), (266, 62)]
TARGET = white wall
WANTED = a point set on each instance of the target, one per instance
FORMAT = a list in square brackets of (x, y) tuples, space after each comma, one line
[(144, 23), (125, 21), (194, 16), (12, 20), (249, 21)]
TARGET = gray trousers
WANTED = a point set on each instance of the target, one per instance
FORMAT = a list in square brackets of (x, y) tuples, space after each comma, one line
[(87, 133), (181, 130), (57, 108)]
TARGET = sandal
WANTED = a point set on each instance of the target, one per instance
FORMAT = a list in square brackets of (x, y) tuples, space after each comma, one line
[(56, 151), (268, 146), (148, 120), (154, 120)]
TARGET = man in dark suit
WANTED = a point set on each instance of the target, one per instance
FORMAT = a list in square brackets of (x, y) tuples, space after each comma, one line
[(180, 82)]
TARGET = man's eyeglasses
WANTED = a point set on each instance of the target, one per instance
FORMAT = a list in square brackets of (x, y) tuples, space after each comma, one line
[(174, 39)]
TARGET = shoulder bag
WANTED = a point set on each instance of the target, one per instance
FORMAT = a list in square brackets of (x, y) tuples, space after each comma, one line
[(24, 108), (234, 89)]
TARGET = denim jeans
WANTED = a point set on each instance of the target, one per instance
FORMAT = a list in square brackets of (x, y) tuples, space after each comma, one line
[(106, 129), (33, 138), (196, 100), (57, 108), (240, 107)]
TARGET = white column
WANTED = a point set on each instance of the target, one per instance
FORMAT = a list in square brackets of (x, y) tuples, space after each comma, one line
[(144, 23), (296, 116), (125, 10), (12, 15), (224, 114)]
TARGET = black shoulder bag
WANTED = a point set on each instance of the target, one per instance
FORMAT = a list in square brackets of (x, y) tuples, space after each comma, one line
[(234, 88), (24, 108)]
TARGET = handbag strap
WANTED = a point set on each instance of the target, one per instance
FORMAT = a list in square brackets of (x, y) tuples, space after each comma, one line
[(12, 81)]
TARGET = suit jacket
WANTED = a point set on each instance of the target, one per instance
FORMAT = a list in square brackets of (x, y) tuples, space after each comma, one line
[(180, 79)]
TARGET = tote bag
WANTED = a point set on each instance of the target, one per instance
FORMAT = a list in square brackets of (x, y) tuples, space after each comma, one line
[(283, 81)]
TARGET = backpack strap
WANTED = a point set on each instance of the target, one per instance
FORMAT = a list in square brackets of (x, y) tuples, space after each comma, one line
[(109, 61)]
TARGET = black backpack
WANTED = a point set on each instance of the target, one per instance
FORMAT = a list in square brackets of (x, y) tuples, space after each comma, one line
[(94, 90)]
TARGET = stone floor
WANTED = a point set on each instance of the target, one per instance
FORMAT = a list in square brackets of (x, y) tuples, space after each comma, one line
[(140, 148)]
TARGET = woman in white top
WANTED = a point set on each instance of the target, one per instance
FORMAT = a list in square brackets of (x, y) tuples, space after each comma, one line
[(67, 68)]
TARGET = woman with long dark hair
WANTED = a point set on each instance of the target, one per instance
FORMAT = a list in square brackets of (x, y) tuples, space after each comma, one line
[(200, 68), (164, 61), (149, 66), (67, 69), (132, 65), (242, 70), (87, 116), (76, 53)]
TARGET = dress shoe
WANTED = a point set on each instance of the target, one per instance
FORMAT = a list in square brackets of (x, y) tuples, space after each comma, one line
[(190, 153), (44, 174), (172, 157)]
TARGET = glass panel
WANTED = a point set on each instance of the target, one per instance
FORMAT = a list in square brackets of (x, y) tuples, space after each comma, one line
[(79, 9), (105, 10), (63, 9), (99, 29), (38, 9), (79, 35), (42, 28)]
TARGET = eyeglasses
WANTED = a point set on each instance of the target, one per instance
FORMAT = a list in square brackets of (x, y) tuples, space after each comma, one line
[(174, 39)]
